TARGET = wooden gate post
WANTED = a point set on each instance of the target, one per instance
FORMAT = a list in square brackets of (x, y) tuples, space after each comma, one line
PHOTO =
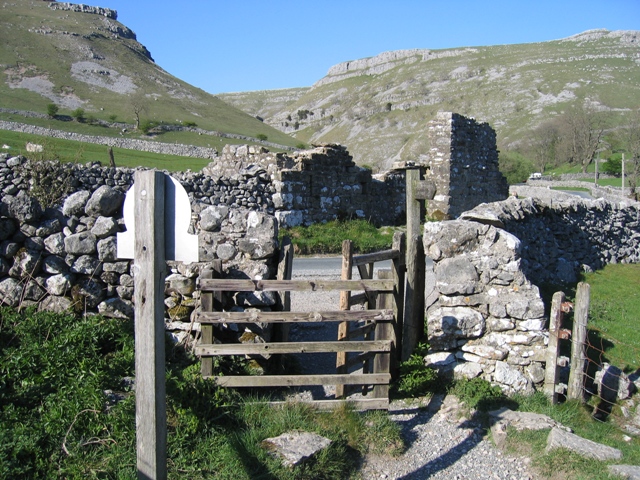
[(413, 326), (150, 267), (551, 368), (345, 304), (578, 341)]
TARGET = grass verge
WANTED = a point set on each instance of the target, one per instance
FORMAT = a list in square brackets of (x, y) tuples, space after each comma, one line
[(327, 238), (67, 410)]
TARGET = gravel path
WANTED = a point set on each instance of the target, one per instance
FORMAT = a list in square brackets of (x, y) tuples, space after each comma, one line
[(439, 444)]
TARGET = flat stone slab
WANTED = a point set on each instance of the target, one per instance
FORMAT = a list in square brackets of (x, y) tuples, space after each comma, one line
[(558, 438), (295, 447), (629, 472), (524, 420)]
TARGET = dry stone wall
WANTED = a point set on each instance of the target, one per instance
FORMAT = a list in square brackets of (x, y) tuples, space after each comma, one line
[(485, 316), (64, 257), (463, 164)]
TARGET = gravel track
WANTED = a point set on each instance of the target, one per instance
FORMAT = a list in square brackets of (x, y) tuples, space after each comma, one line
[(439, 444)]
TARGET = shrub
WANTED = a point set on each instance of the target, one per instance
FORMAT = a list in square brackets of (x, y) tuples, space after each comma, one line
[(52, 110), (190, 124), (262, 137), (112, 118), (78, 115), (147, 125)]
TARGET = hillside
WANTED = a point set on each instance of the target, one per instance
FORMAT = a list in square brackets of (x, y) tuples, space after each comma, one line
[(84, 58), (378, 107)]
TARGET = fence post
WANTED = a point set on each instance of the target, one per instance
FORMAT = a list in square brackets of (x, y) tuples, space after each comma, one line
[(150, 269), (551, 370), (413, 327), (382, 362), (578, 341), (345, 298)]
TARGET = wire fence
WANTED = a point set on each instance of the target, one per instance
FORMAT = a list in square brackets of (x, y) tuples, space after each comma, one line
[(601, 371)]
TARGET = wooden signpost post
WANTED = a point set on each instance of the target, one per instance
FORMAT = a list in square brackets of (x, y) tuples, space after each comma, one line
[(157, 215)]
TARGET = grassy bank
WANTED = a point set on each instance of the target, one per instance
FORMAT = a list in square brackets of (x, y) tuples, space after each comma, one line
[(67, 410), (327, 238)]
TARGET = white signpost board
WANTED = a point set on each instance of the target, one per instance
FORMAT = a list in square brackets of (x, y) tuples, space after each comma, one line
[(157, 214)]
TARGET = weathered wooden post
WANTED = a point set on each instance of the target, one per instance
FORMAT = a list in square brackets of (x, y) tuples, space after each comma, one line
[(578, 341), (155, 233), (345, 304), (551, 368), (417, 191)]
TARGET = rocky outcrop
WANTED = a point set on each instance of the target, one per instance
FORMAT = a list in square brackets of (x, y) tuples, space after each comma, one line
[(76, 7)]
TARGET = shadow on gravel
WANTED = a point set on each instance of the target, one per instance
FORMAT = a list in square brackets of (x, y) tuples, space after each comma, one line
[(448, 458)]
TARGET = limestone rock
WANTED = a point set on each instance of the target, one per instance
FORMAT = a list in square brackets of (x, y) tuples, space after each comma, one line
[(559, 438), (116, 308), (295, 447), (75, 203), (105, 201)]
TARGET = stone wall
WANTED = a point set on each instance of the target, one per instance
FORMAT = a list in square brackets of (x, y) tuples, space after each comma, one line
[(64, 257), (319, 184), (485, 316), (463, 164)]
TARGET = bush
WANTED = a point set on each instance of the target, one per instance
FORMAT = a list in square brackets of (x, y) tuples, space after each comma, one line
[(78, 114), (515, 167), (147, 125), (262, 137), (190, 124), (52, 110)]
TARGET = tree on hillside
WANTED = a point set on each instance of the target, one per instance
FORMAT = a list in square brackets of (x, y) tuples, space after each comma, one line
[(52, 110), (582, 130), (139, 106), (543, 145)]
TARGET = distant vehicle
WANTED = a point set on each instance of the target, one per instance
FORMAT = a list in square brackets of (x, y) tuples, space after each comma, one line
[(535, 176)]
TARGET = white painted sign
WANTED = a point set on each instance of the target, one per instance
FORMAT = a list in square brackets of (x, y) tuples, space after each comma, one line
[(179, 244)]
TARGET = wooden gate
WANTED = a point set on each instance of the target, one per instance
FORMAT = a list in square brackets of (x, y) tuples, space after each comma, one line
[(377, 324)]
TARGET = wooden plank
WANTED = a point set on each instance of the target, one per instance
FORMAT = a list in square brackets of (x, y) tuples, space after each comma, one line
[(363, 330), (302, 380), (150, 270), (575, 388), (551, 368), (358, 359), (366, 273), (359, 404), (345, 304), (292, 347), (398, 275), (382, 363), (253, 316), (358, 299), (233, 285), (206, 336), (375, 257), (285, 270)]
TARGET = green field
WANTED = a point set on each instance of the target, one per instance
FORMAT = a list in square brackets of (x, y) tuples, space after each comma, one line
[(80, 152)]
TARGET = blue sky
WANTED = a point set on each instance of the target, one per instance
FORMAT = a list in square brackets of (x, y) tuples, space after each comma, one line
[(240, 45)]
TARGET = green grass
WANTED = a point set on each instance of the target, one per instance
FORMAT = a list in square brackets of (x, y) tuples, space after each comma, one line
[(327, 238), (80, 152), (56, 421), (613, 313)]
